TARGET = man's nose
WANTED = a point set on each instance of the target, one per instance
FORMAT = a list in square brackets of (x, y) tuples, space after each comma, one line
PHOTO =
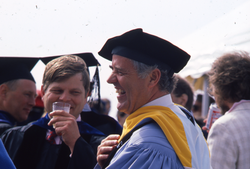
[(112, 78), (65, 96), (32, 101)]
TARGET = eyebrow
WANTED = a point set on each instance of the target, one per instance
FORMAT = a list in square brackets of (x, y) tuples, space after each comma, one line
[(30, 92), (118, 69)]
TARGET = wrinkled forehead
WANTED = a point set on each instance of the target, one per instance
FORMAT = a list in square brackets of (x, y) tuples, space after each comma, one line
[(122, 63)]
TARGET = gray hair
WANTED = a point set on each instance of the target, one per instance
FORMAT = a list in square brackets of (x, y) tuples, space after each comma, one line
[(12, 84), (166, 83)]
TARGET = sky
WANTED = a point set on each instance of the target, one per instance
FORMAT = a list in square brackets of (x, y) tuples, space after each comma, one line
[(56, 27)]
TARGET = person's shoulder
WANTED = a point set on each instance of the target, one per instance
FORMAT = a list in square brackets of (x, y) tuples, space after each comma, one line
[(240, 111), (225, 120), (104, 123), (150, 134), (148, 141), (4, 127), (15, 130), (232, 121), (3, 124), (225, 126), (151, 130), (221, 123)]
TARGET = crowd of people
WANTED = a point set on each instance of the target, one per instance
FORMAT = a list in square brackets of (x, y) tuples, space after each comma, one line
[(159, 122)]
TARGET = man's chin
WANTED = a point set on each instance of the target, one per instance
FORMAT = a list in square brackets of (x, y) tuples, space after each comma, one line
[(22, 120), (120, 108)]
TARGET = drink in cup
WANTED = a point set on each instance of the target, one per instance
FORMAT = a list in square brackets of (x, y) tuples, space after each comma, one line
[(61, 106)]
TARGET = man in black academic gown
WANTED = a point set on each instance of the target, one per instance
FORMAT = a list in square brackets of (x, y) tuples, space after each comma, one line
[(65, 79), (17, 90)]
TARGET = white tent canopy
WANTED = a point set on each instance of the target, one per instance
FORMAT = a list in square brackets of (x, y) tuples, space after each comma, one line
[(228, 33)]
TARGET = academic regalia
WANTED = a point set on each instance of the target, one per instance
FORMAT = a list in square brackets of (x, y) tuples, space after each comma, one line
[(147, 148), (29, 142), (6, 121), (146, 48), (104, 123), (178, 142), (5, 160), (13, 68)]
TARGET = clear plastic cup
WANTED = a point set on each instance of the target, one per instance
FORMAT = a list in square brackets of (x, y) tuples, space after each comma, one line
[(61, 106)]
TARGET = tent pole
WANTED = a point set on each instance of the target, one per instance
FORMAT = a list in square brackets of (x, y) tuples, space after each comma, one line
[(205, 100)]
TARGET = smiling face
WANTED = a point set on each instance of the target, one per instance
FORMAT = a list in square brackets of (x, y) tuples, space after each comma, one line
[(70, 90), (133, 92), (19, 102)]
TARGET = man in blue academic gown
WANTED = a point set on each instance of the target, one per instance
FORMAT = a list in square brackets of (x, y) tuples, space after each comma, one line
[(157, 133), (17, 90)]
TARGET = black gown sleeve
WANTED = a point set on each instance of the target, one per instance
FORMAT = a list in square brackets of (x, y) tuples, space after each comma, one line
[(83, 156), (12, 139)]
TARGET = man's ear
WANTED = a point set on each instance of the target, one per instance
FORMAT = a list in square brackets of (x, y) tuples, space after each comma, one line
[(154, 76), (3, 90), (42, 92)]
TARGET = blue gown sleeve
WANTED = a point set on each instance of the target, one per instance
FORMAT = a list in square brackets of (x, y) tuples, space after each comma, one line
[(136, 158), (5, 161), (147, 148)]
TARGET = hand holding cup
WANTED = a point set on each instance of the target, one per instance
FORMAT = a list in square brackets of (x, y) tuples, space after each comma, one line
[(61, 106), (65, 124)]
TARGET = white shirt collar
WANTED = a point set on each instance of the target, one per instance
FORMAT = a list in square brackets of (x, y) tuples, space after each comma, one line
[(165, 101), (236, 104), (161, 101), (79, 118)]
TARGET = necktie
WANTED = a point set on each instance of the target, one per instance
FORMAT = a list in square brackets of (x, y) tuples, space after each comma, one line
[(51, 137)]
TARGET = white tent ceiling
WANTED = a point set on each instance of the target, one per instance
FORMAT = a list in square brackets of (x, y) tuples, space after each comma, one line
[(228, 33)]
